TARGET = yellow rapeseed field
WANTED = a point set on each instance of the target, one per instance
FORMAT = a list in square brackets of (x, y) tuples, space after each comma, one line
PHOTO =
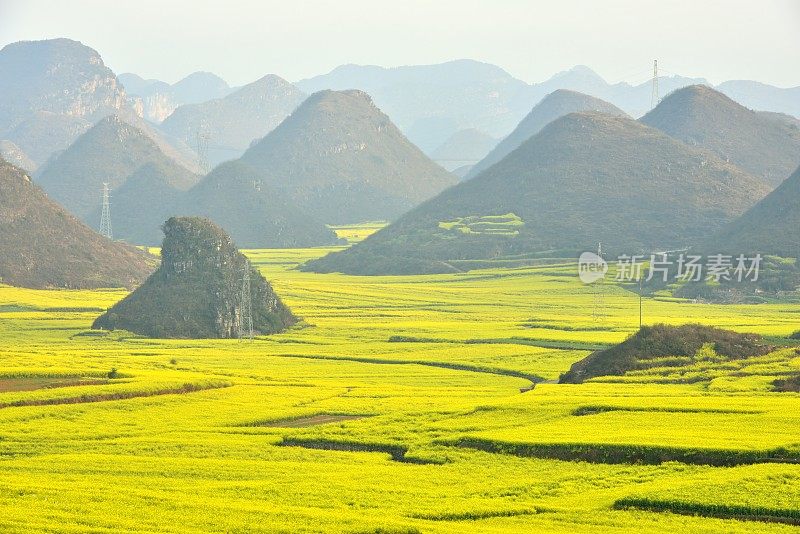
[(400, 404)]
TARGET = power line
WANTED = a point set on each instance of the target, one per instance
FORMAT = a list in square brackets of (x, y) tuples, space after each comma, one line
[(105, 217)]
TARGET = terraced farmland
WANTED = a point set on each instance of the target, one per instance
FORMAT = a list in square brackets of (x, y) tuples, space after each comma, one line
[(401, 404)]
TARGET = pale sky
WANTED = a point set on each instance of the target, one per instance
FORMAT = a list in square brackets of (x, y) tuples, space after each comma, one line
[(242, 40)]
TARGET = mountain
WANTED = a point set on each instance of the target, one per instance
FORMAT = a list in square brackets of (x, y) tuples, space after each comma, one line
[(110, 152), (557, 104), (240, 198), (763, 97), (197, 290), (44, 135), (14, 155), (465, 147), (585, 178), (231, 124), (432, 102), (56, 78), (429, 103), (635, 100), (703, 117), (143, 202), (233, 195), (199, 87), (135, 85), (42, 245), (156, 100), (339, 157), (55, 90), (794, 122), (769, 227), (580, 79)]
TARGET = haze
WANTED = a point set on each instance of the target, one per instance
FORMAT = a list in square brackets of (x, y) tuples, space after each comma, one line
[(241, 40)]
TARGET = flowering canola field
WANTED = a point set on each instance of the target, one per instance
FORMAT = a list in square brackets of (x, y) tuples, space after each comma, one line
[(400, 405)]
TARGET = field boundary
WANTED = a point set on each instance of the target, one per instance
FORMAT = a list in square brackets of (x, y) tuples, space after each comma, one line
[(120, 395), (534, 379), (626, 454), (398, 453), (723, 511)]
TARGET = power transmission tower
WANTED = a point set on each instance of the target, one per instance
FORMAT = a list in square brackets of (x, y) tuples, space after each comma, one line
[(105, 217), (654, 95), (598, 309), (201, 147), (246, 312)]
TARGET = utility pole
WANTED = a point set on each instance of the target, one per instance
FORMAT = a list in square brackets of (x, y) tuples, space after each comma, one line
[(599, 296), (105, 217), (654, 95), (640, 301), (246, 311)]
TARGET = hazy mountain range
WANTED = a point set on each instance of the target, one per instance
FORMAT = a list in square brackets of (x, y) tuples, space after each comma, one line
[(53, 91), (584, 178), (229, 125), (156, 100), (336, 159), (109, 152), (463, 149), (432, 102), (559, 169)]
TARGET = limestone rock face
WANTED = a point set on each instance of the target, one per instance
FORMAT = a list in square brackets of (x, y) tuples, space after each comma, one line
[(51, 92), (197, 290)]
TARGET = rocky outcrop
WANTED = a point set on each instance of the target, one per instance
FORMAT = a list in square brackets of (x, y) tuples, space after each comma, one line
[(197, 292), (14, 155), (56, 79)]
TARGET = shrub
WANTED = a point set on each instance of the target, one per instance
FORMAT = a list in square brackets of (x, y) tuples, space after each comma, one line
[(662, 341)]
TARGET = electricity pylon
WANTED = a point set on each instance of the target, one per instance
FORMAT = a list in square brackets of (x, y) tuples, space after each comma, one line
[(598, 310), (654, 94), (246, 308), (105, 217)]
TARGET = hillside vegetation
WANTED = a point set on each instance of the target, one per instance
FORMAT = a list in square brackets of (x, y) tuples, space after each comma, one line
[(772, 226), (253, 211), (586, 178), (42, 245), (339, 157), (763, 145), (666, 346), (557, 104), (111, 151)]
